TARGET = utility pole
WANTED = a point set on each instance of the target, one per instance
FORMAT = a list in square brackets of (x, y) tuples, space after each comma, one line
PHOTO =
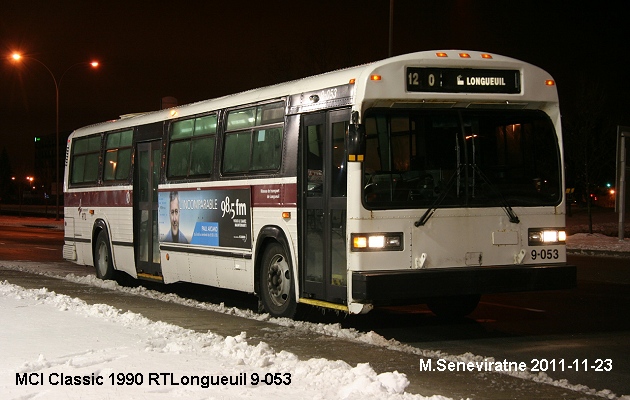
[(622, 133), (391, 28)]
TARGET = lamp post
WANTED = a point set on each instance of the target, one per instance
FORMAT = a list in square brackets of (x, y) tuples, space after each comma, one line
[(93, 64)]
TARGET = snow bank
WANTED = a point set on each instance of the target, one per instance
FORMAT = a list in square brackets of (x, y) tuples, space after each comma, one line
[(598, 242), (57, 347), (334, 330)]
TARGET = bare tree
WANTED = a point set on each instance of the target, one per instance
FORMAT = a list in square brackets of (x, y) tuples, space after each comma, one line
[(589, 136)]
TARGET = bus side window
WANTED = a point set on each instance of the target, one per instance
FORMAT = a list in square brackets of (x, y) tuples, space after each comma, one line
[(266, 148), (201, 156), (253, 142), (191, 148), (85, 160), (237, 151), (178, 158), (117, 156)]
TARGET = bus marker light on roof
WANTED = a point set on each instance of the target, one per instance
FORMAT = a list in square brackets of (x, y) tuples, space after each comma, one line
[(441, 54), (464, 55), (375, 77), (485, 55), (352, 81), (550, 82)]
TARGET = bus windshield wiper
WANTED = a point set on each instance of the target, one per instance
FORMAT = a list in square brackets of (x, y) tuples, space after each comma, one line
[(429, 213), (475, 170), (504, 204), (425, 217)]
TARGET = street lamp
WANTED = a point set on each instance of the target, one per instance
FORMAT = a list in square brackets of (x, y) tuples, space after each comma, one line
[(94, 64)]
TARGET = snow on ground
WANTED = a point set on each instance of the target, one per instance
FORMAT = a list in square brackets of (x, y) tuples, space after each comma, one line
[(597, 242), (81, 340), (47, 338), (57, 347)]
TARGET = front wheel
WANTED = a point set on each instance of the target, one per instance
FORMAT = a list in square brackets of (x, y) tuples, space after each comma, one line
[(103, 257), (277, 286)]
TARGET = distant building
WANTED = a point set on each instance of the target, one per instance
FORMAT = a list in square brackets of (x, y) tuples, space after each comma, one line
[(45, 159)]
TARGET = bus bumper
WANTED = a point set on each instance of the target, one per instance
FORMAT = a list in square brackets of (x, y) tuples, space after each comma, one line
[(385, 287)]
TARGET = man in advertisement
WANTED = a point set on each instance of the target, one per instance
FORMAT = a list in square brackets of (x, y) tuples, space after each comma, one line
[(175, 235)]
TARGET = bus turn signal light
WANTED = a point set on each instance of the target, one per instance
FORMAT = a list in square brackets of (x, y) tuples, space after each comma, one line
[(546, 236), (391, 241)]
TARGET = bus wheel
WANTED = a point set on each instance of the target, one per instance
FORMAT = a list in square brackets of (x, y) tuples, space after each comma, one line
[(103, 257), (454, 307), (277, 291)]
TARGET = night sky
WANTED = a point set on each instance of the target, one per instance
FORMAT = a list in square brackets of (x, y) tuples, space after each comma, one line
[(196, 50)]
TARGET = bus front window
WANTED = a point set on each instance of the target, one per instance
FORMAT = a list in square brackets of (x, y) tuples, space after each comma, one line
[(463, 158)]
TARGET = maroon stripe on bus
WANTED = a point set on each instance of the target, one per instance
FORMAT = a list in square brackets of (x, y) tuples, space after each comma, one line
[(102, 198), (274, 195), (278, 195)]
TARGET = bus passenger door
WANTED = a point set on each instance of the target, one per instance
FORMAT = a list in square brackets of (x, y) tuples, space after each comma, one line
[(323, 202), (146, 178)]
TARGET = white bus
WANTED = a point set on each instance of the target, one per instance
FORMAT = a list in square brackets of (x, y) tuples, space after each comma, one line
[(431, 177)]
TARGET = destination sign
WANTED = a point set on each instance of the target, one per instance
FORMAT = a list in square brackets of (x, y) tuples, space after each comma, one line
[(462, 80)]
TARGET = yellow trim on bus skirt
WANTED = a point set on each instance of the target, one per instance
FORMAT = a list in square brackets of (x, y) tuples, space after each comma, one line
[(325, 304)]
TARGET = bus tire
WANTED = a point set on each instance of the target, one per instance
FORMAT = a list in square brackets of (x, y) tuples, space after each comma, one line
[(454, 307), (277, 286), (103, 257)]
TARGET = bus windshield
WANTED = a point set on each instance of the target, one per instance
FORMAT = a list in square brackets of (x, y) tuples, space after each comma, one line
[(420, 158)]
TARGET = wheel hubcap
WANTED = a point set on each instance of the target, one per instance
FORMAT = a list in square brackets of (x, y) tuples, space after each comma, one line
[(102, 259), (278, 280)]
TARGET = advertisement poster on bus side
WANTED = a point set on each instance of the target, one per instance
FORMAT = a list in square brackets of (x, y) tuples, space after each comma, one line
[(213, 218)]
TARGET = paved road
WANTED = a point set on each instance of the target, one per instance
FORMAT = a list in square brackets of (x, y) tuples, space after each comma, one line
[(586, 323), (304, 344), (30, 242)]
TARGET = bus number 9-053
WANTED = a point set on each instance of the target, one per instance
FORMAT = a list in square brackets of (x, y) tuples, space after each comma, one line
[(545, 254)]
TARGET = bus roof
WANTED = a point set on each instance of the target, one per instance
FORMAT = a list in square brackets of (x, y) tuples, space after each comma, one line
[(391, 68)]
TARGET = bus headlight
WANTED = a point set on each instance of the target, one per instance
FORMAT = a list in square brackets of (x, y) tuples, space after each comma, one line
[(546, 236), (390, 241)]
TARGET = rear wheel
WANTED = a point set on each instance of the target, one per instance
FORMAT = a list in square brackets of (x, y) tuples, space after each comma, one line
[(277, 286), (103, 257), (453, 307)]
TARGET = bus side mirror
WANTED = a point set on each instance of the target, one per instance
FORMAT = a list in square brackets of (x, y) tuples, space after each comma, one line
[(355, 142)]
